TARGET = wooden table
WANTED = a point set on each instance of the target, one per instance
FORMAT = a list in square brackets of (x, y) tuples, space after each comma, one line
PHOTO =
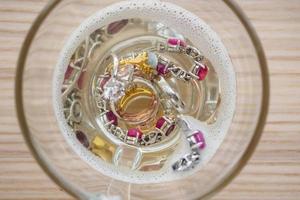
[(272, 173)]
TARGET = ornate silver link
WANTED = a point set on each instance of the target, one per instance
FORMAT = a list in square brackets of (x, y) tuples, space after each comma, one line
[(177, 71), (151, 138), (194, 53), (187, 162), (196, 144), (73, 108)]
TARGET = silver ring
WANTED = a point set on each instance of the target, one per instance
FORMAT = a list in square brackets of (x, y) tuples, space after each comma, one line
[(171, 94)]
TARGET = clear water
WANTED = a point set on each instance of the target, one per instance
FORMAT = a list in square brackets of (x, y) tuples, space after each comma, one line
[(209, 103)]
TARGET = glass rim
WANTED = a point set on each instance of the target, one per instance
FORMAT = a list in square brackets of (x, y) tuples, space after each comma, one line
[(234, 7)]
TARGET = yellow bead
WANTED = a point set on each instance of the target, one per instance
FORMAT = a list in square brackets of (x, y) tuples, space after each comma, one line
[(100, 143)]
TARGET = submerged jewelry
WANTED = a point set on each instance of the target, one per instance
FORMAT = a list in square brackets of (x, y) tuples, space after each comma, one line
[(187, 162), (140, 89), (168, 92), (164, 66), (72, 108), (118, 87), (113, 108), (196, 142), (118, 82), (143, 74)]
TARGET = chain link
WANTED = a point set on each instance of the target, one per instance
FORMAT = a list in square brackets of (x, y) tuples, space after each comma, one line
[(177, 71)]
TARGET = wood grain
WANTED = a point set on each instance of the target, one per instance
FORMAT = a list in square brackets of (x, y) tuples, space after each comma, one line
[(272, 173)]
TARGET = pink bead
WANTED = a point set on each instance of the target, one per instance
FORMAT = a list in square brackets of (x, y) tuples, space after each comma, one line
[(112, 117), (199, 138), (161, 69), (160, 122), (176, 41), (134, 132), (202, 72)]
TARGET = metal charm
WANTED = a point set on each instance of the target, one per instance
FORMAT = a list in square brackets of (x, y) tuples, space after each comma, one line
[(187, 162), (72, 109), (151, 138)]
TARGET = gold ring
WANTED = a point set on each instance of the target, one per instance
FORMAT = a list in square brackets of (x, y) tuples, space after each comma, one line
[(136, 97)]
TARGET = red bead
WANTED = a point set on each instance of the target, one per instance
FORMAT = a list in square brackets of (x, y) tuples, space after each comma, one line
[(81, 137), (134, 132), (115, 27), (68, 72), (170, 129), (176, 41), (202, 72), (112, 117)]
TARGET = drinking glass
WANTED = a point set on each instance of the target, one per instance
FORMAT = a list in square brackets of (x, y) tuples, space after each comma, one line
[(38, 58)]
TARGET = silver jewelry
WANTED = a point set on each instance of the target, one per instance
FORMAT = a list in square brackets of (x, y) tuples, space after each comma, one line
[(73, 109), (112, 86), (197, 143), (151, 138), (187, 162), (196, 140), (175, 99), (109, 117), (115, 65), (176, 45)]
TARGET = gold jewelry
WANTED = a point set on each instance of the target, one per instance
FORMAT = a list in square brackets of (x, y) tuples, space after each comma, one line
[(139, 91), (140, 61), (131, 94)]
